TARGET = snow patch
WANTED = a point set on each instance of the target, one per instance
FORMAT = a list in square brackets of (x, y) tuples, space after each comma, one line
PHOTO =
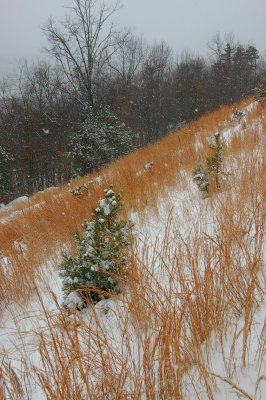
[(73, 301)]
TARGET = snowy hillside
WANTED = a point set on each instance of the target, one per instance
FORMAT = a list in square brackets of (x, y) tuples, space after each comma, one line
[(190, 321)]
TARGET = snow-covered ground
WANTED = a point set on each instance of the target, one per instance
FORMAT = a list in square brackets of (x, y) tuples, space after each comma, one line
[(180, 214)]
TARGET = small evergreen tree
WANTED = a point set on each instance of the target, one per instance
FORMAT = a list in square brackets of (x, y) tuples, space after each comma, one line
[(260, 91), (100, 139), (88, 145), (209, 177), (200, 177), (238, 115), (214, 163), (118, 136), (102, 255)]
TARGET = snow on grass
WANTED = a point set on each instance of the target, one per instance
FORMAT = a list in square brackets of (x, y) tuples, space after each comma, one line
[(106, 333), (232, 379)]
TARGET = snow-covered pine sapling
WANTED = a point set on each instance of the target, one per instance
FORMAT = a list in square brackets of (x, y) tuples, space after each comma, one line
[(80, 190), (214, 163), (238, 115), (208, 178), (200, 177), (102, 255)]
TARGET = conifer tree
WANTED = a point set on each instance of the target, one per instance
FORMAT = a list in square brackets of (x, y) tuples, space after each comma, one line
[(118, 136), (200, 177), (100, 139), (214, 162), (88, 145), (209, 177), (238, 115), (101, 257)]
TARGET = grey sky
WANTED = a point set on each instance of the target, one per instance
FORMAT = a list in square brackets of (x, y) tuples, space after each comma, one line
[(183, 24)]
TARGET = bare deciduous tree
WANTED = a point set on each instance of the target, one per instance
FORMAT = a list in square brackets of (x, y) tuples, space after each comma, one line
[(128, 58), (83, 44), (217, 44)]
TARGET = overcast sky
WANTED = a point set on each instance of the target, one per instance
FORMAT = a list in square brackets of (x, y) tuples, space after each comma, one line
[(183, 24)]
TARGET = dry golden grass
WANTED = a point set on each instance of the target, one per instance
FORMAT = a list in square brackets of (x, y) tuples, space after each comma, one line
[(49, 218), (157, 337)]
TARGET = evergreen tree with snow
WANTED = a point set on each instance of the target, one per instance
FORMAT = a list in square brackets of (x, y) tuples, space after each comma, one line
[(238, 115), (200, 177), (102, 255), (88, 145), (6, 160), (209, 177), (100, 139), (118, 136)]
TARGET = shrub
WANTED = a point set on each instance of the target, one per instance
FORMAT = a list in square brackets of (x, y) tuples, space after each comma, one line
[(102, 255), (238, 115), (209, 177), (200, 177), (101, 138)]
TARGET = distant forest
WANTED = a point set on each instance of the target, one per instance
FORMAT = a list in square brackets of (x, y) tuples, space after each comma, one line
[(91, 66)]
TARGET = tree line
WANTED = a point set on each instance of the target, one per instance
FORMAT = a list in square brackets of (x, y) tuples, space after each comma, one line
[(103, 91)]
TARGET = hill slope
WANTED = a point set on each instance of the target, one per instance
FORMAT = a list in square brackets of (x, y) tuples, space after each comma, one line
[(190, 322)]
